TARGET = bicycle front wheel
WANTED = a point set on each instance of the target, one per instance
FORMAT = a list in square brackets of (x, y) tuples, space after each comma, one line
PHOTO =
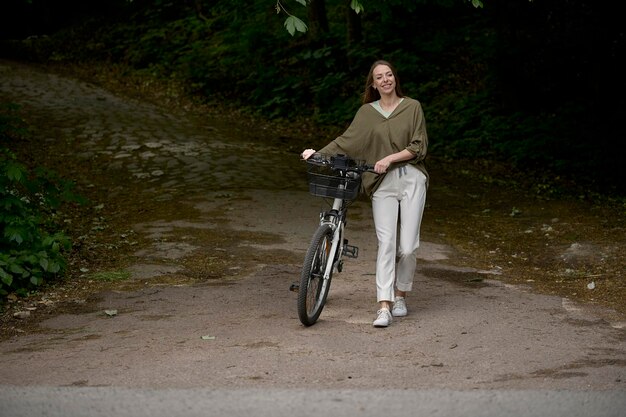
[(313, 287)]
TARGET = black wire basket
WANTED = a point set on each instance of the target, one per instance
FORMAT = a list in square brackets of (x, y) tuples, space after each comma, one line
[(324, 182)]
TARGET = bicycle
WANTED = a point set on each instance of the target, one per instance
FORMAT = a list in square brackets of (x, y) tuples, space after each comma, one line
[(337, 177)]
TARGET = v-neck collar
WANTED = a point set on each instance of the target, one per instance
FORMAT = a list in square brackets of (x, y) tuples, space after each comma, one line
[(385, 114)]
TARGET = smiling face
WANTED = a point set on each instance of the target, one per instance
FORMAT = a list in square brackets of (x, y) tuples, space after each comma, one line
[(384, 80)]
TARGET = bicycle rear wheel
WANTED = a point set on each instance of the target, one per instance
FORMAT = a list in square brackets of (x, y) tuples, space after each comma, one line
[(313, 287)]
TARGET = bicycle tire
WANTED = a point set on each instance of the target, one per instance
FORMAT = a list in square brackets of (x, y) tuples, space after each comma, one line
[(313, 289)]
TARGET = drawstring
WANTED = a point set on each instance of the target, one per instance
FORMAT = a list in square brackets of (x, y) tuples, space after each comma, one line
[(402, 171)]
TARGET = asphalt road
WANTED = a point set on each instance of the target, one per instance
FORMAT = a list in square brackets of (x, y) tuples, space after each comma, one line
[(105, 402)]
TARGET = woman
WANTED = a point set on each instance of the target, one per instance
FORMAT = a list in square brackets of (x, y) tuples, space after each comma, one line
[(389, 130)]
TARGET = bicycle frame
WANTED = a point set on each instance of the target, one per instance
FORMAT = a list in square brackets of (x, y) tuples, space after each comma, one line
[(337, 215)]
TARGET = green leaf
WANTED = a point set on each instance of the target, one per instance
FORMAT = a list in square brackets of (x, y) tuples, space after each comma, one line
[(44, 263), (358, 7), (34, 258), (54, 267), (292, 24), (302, 2), (7, 279), (16, 269), (15, 172), (14, 233)]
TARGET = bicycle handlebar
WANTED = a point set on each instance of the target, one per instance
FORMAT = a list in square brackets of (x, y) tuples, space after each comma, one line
[(340, 163)]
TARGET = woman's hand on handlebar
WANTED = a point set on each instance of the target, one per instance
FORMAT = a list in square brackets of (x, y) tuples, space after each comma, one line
[(306, 154), (382, 165)]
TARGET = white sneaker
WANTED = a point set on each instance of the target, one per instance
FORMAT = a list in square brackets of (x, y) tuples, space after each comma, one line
[(399, 307), (384, 318)]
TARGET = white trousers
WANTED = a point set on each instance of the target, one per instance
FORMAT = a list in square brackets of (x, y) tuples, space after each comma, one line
[(398, 206)]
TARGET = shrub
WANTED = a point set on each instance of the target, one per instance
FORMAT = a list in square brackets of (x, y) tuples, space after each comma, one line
[(32, 245)]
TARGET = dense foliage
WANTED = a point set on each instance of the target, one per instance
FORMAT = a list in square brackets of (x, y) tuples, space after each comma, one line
[(32, 243), (536, 84)]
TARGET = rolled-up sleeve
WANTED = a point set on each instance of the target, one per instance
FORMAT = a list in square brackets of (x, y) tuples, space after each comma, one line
[(419, 139)]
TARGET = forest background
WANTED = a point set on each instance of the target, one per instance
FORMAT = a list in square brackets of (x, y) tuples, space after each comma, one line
[(537, 86)]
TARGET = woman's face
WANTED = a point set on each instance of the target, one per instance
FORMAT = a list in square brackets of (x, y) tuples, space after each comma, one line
[(384, 81)]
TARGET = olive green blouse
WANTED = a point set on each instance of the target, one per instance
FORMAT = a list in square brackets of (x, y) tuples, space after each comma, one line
[(372, 136)]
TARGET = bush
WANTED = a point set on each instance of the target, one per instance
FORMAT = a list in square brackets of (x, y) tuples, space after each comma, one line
[(32, 245)]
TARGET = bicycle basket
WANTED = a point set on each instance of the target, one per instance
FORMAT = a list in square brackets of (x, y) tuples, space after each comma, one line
[(324, 182)]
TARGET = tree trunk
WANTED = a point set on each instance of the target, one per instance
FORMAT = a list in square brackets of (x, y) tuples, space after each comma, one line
[(318, 21), (355, 33)]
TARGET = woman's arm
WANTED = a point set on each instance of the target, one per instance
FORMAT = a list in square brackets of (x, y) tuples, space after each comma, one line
[(382, 165)]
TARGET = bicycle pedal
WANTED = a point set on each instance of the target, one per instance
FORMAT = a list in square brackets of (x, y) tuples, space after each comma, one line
[(351, 251), (295, 287)]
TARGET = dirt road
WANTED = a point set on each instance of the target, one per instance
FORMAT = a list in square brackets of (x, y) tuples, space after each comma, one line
[(216, 200)]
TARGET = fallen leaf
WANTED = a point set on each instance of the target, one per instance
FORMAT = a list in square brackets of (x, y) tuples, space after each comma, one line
[(110, 313), (207, 337)]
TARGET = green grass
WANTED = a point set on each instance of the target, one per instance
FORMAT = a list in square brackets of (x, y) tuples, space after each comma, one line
[(110, 276)]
